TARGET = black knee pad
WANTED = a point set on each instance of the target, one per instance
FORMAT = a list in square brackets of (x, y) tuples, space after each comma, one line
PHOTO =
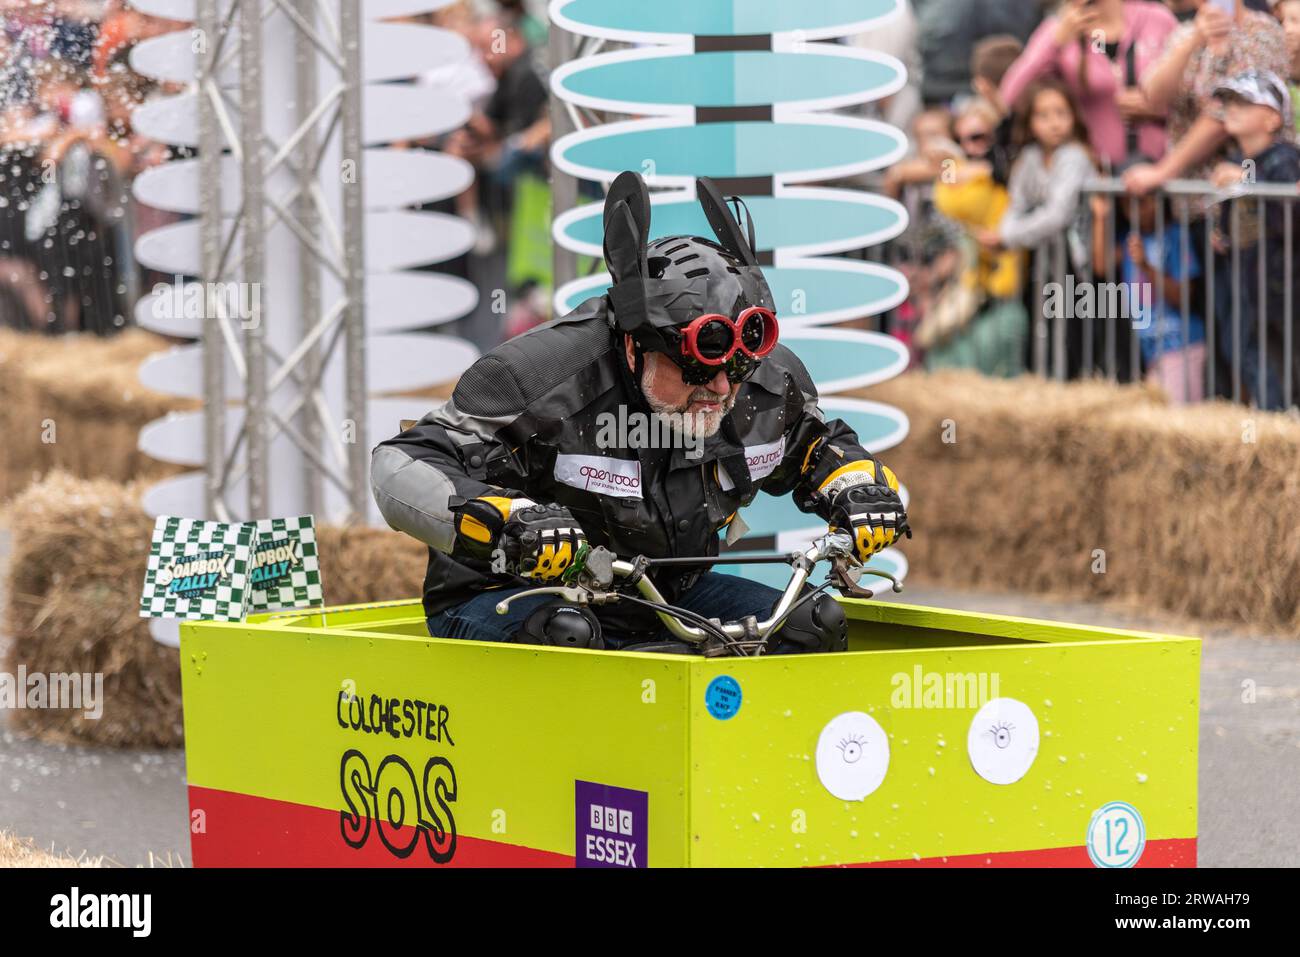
[(815, 626), (563, 626)]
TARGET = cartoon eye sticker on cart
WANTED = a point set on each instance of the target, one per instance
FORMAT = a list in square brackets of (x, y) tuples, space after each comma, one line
[(851, 748), (1002, 742), (852, 756), (1001, 732)]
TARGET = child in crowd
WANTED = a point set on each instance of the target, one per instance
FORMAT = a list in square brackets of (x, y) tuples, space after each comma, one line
[(1198, 57), (1256, 107), (931, 145), (1049, 172), (980, 323), (967, 193), (1153, 267)]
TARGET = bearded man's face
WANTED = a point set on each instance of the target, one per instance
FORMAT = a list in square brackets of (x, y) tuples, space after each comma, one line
[(693, 411)]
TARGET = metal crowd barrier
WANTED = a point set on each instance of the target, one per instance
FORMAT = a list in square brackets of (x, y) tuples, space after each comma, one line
[(1230, 293), (1198, 208)]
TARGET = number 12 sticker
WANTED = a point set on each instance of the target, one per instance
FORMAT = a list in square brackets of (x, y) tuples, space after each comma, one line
[(1116, 835)]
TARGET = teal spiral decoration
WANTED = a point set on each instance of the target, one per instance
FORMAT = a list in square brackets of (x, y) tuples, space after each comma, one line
[(738, 90)]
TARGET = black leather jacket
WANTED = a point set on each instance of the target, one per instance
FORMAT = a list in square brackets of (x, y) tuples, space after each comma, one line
[(526, 420)]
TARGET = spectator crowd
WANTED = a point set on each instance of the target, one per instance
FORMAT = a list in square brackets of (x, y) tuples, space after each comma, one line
[(1016, 110), (1062, 146), (69, 154)]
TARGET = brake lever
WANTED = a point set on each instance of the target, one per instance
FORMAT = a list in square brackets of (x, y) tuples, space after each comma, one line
[(850, 588), (579, 596), (587, 581)]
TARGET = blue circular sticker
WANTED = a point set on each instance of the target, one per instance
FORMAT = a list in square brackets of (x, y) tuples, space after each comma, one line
[(723, 697), (1116, 835)]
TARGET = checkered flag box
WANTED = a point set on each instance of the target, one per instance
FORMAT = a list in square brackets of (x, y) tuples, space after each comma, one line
[(285, 566), (197, 569)]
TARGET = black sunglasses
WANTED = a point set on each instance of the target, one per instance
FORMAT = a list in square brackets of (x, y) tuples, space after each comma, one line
[(739, 368)]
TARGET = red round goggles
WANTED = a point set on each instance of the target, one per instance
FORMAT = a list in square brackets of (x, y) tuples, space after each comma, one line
[(712, 339)]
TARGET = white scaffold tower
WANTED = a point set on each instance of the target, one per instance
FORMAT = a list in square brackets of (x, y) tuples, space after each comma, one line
[(300, 260)]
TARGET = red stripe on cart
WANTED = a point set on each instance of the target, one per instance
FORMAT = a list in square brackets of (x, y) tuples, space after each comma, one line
[(240, 830)]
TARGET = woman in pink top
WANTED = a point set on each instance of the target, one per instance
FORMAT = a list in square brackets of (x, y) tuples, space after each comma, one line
[(1101, 48)]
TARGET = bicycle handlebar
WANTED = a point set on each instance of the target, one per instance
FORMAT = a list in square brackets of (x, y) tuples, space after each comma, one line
[(595, 570)]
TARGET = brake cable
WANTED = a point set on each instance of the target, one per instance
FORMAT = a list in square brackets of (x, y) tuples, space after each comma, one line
[(686, 615)]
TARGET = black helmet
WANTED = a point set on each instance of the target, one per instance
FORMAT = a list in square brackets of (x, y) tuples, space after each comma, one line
[(690, 257), (659, 287)]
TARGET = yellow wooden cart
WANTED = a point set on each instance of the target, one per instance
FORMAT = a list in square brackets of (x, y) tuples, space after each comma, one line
[(348, 736)]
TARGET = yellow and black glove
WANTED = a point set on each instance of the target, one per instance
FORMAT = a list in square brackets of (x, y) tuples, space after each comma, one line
[(519, 536), (862, 499)]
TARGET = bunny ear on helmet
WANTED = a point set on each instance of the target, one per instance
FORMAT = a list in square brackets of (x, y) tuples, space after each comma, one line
[(627, 226), (724, 224)]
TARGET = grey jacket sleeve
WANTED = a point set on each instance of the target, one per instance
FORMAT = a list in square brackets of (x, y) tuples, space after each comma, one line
[(415, 475), (1023, 227)]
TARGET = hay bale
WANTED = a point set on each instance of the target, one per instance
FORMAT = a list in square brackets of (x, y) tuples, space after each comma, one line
[(1204, 511), (75, 573), (22, 852), (85, 391), (88, 388), (360, 565), (1046, 481), (74, 580)]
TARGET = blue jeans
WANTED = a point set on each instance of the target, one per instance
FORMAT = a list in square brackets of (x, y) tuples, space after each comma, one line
[(725, 597)]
